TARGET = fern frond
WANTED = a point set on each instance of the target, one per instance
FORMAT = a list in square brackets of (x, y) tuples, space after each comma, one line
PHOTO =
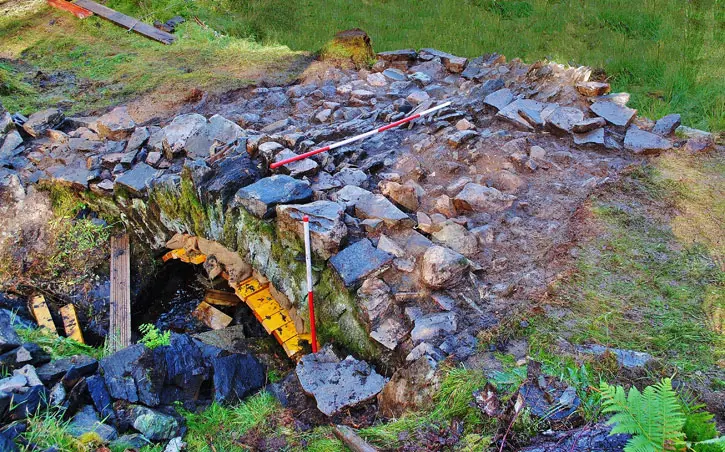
[(653, 417), (714, 444)]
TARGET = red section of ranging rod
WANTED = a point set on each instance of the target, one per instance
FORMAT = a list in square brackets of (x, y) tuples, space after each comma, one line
[(358, 137), (310, 296)]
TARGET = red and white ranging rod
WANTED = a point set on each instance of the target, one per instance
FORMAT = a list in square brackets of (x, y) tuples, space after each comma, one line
[(362, 136), (310, 298)]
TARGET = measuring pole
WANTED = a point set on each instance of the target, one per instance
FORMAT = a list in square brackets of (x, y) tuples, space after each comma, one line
[(310, 297), (362, 136)]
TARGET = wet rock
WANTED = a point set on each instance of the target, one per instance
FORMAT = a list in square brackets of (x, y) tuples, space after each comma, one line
[(236, 375), (153, 424), (176, 134), (28, 403), (585, 439), (616, 114), (593, 88), (327, 228), (351, 176), (457, 238), (40, 122), (379, 207), (390, 332), (587, 125), (411, 388), (137, 180), (126, 378), (80, 366), (27, 353), (261, 197), (442, 267), (398, 55), (475, 197), (101, 398), (228, 176), (595, 136), (641, 142), (87, 421), (116, 125), (462, 346), (666, 125), (563, 119), (350, 195), (627, 358), (9, 338), (337, 384), (359, 261), (499, 99)]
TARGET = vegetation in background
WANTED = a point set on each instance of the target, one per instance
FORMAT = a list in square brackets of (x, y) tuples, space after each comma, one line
[(656, 419), (667, 53), (152, 337)]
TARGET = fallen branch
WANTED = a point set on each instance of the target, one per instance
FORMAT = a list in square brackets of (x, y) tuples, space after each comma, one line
[(351, 439)]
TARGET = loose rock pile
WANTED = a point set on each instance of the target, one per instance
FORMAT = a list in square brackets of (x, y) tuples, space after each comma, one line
[(132, 391)]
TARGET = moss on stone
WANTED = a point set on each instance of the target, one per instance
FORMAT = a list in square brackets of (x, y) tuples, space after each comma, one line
[(349, 47)]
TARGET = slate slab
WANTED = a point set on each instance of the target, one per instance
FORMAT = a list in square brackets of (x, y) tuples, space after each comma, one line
[(136, 180), (616, 114), (337, 384), (261, 197), (358, 261)]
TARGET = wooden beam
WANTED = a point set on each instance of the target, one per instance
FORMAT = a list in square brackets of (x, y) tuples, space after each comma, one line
[(221, 298), (72, 8), (119, 333), (352, 439), (127, 22), (70, 323), (40, 311)]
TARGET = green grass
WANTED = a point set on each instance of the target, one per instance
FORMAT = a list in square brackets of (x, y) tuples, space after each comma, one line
[(59, 347), (665, 52), (637, 286)]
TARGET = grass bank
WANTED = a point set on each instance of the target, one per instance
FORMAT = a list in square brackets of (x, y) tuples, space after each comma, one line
[(667, 53)]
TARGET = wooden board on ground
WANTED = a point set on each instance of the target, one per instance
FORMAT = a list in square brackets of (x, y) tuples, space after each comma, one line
[(119, 333), (39, 308), (127, 22), (221, 298), (72, 8), (211, 316), (70, 322)]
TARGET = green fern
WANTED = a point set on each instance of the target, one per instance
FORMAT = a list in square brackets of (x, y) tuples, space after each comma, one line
[(152, 337), (658, 420), (653, 417)]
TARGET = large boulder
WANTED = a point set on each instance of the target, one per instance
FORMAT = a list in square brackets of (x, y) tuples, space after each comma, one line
[(337, 384), (616, 114), (228, 175), (349, 48), (457, 238), (442, 267), (379, 207), (137, 180), (218, 130), (643, 142), (327, 228), (176, 134), (261, 197)]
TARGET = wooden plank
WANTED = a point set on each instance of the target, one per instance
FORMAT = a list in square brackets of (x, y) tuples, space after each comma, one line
[(127, 22), (211, 316), (352, 439), (70, 322), (120, 328), (72, 8), (221, 298), (39, 308)]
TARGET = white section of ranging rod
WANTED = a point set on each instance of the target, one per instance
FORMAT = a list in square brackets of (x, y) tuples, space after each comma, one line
[(362, 136), (308, 252)]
